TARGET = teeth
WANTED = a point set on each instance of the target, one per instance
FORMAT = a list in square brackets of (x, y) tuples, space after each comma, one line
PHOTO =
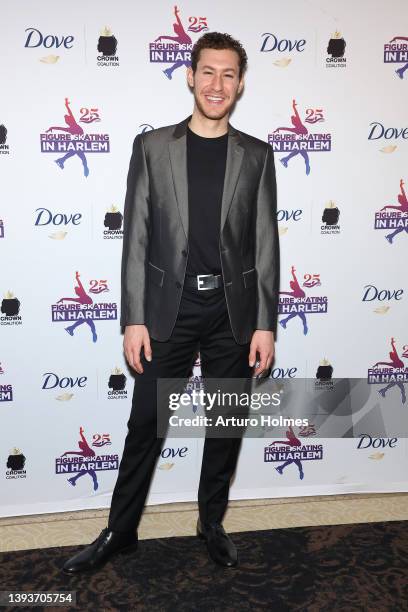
[(215, 99)]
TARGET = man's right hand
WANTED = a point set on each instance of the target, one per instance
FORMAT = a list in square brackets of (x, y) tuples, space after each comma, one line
[(136, 337)]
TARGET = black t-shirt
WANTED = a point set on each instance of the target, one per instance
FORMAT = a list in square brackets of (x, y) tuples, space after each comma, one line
[(206, 160)]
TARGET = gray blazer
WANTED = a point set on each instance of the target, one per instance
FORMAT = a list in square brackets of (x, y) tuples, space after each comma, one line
[(155, 243)]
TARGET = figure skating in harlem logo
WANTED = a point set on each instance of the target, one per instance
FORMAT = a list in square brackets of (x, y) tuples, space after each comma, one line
[(176, 50), (6, 391), (10, 310), (396, 221), (82, 308), (396, 52), (392, 373), (86, 461), (298, 304), (73, 140), (4, 147), (298, 140), (15, 465), (291, 451)]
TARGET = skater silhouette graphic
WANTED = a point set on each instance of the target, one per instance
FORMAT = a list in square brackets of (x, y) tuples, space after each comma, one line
[(298, 128), (83, 298), (395, 362), (182, 38), (402, 208), (400, 71), (73, 128), (293, 441), (297, 292), (86, 451)]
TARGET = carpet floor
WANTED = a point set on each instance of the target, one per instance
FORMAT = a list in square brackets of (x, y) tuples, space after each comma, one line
[(343, 568)]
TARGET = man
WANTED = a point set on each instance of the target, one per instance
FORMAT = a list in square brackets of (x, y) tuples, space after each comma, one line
[(200, 271)]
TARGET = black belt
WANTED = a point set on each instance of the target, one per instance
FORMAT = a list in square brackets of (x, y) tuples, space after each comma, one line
[(204, 281)]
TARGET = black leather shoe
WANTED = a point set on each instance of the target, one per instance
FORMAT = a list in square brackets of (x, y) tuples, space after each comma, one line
[(100, 550), (220, 547)]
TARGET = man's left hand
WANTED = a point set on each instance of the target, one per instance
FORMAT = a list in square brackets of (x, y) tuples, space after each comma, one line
[(263, 343)]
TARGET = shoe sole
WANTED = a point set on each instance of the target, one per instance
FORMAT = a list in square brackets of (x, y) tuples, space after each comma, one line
[(89, 570)]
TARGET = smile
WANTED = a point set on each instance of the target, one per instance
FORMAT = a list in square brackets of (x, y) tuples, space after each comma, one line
[(214, 99)]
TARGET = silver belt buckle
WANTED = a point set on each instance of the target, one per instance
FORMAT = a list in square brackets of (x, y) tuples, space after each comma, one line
[(199, 277)]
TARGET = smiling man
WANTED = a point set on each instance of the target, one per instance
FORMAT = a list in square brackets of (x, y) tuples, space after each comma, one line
[(200, 272)]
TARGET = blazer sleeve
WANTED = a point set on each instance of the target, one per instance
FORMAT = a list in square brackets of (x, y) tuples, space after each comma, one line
[(267, 247), (135, 250)]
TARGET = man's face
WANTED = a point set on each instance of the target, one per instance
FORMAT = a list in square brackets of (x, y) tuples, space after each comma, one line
[(216, 82)]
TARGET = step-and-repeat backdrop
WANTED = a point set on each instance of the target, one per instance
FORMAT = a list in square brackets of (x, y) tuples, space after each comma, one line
[(327, 87)]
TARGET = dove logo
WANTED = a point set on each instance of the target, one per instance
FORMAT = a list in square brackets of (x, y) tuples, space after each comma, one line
[(46, 217), (107, 48), (271, 42), (36, 39), (367, 441), (53, 381), (378, 130), (396, 52), (15, 465), (371, 293)]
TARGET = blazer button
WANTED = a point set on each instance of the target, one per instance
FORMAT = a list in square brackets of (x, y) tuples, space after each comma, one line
[(184, 253), (178, 285)]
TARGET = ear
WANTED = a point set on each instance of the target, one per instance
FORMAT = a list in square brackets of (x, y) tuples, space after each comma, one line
[(190, 77), (241, 85)]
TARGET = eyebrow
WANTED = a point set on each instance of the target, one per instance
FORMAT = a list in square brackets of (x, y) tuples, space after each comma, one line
[(225, 69)]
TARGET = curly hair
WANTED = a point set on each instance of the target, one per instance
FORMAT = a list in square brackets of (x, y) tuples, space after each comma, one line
[(216, 40)]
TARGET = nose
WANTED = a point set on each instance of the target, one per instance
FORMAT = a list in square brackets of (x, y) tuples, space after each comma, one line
[(217, 82)]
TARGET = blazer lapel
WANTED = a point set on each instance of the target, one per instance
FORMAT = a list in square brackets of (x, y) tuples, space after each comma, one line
[(235, 155), (178, 162)]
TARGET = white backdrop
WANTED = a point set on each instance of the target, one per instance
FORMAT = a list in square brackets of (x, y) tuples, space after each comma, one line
[(54, 381)]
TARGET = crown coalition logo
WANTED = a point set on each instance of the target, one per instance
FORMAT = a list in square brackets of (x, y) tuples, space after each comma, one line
[(324, 375), (83, 309), (107, 47), (86, 461), (393, 373), (15, 464), (177, 51), (330, 218), (10, 309), (113, 222), (396, 221), (336, 49), (298, 140), (4, 148), (117, 384), (293, 451), (397, 53), (73, 141), (298, 304)]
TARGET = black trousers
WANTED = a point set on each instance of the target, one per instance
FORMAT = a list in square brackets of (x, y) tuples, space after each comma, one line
[(202, 324)]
